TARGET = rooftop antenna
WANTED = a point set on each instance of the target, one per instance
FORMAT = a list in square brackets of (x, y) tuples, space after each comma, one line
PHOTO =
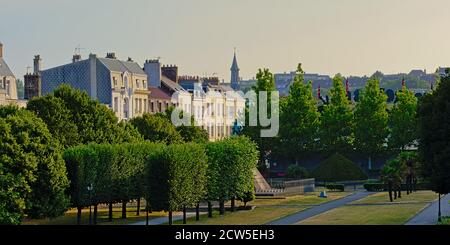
[(78, 49)]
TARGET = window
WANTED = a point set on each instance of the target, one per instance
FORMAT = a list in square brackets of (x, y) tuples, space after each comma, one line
[(7, 87), (152, 107), (159, 106), (137, 83), (115, 81), (143, 84), (135, 105), (116, 104)]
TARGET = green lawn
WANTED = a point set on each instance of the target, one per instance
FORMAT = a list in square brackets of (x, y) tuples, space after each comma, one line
[(382, 213), (266, 210), (70, 217), (383, 197)]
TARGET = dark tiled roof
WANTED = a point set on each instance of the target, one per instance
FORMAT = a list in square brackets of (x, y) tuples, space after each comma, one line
[(122, 66), (4, 69), (157, 93), (171, 84)]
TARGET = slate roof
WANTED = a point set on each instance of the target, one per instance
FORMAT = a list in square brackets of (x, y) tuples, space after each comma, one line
[(122, 66), (171, 84), (4, 69), (158, 93)]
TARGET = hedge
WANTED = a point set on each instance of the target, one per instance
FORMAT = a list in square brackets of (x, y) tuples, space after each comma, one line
[(116, 172), (382, 187), (230, 169), (335, 187), (177, 177)]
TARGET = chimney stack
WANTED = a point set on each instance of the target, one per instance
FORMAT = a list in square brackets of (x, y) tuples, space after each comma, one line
[(76, 58), (37, 64), (111, 55), (1, 50)]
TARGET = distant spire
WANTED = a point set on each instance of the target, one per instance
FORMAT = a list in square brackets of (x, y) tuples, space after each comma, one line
[(234, 72)]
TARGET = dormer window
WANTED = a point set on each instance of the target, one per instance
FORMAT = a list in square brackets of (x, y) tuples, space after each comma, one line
[(137, 83)]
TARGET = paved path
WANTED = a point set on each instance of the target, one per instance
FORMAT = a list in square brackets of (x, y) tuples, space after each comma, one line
[(163, 220), (429, 215), (308, 213)]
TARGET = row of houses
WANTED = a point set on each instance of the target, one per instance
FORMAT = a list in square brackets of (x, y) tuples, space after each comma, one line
[(131, 90)]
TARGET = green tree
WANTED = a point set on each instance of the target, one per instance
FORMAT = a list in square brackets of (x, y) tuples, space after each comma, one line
[(337, 120), (265, 83), (434, 147), (156, 128), (403, 120), (230, 170), (299, 118), (87, 120), (177, 177), (58, 118), (32, 173), (193, 134), (371, 119)]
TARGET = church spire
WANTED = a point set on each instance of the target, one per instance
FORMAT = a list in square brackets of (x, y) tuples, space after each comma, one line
[(234, 72)]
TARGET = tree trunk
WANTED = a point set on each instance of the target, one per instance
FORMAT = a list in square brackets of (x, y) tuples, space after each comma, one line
[(400, 192), (390, 191), (395, 193), (138, 206), (110, 212), (79, 215), (197, 212), (232, 204), (184, 214), (170, 218), (146, 217), (209, 209), (221, 207), (95, 214), (124, 209)]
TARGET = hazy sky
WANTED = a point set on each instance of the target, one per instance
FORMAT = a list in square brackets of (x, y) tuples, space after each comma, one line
[(328, 36)]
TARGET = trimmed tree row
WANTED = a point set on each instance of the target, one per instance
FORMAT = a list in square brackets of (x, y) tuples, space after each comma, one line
[(169, 177)]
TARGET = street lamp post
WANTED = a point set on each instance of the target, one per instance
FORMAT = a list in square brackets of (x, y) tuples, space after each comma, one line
[(439, 212), (90, 188)]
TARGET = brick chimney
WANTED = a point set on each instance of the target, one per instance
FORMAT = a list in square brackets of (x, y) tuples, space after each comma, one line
[(37, 62), (171, 72)]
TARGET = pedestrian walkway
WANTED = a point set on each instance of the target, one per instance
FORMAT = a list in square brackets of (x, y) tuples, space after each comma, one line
[(308, 213), (429, 215)]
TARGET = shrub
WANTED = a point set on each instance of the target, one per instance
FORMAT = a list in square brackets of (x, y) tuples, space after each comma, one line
[(338, 168), (335, 187), (374, 186), (295, 171)]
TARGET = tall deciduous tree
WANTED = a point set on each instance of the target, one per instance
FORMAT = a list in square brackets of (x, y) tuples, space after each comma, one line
[(337, 120), (74, 118), (434, 129), (32, 173), (265, 83), (299, 118), (403, 121), (156, 128), (371, 119)]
